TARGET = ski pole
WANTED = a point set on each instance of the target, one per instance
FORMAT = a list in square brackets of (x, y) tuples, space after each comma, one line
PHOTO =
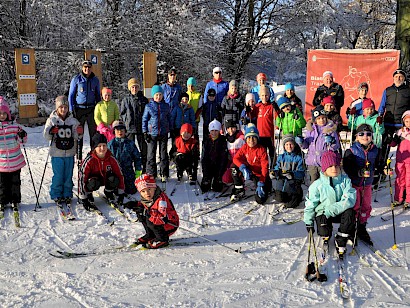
[(195, 223), (42, 177), (351, 130), (353, 252), (31, 176), (380, 172), (392, 206), (203, 237), (310, 268), (320, 277)]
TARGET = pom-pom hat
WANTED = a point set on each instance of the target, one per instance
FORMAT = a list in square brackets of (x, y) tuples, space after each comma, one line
[(251, 130), (146, 180)]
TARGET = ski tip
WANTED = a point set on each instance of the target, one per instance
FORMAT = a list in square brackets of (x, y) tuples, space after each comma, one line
[(238, 250)]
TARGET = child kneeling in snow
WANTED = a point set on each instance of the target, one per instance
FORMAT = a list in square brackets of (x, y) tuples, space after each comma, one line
[(156, 213), (289, 173), (331, 199), (252, 162)]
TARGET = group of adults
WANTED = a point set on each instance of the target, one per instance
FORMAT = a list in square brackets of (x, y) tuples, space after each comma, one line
[(84, 94)]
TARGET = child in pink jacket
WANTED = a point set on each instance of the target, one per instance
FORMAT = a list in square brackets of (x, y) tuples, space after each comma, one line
[(402, 183)]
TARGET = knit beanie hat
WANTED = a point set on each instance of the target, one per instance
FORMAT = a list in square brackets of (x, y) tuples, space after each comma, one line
[(367, 103), (364, 128), (330, 158), (145, 181), (61, 100), (400, 71), (363, 85), (133, 82), (405, 115), (186, 127), (118, 124), (260, 76), (249, 96), (215, 125), (97, 139), (318, 111), (283, 102), (4, 107), (106, 90), (289, 86), (211, 92), (183, 94), (327, 73), (233, 83), (251, 130), (328, 100), (230, 123), (288, 138), (216, 69), (156, 89), (191, 81)]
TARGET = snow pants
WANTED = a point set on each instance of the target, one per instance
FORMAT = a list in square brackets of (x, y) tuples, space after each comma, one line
[(142, 147), (402, 182), (156, 232), (152, 156), (84, 115), (363, 205), (186, 162), (10, 187), (268, 145), (62, 181), (289, 192)]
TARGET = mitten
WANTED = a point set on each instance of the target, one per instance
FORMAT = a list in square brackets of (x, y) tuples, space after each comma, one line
[(260, 191)]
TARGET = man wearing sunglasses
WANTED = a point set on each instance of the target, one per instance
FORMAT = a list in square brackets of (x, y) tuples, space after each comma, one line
[(172, 90), (220, 86), (83, 95)]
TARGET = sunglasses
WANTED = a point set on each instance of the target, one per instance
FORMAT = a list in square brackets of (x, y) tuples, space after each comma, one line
[(86, 66), (368, 134), (171, 74), (217, 72)]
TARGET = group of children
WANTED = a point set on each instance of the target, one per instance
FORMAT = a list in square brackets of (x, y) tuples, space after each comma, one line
[(240, 150)]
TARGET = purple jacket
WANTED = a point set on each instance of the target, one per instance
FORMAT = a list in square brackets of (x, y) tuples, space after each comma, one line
[(315, 141)]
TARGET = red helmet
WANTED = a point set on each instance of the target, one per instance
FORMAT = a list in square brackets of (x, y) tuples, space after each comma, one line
[(260, 76), (145, 181)]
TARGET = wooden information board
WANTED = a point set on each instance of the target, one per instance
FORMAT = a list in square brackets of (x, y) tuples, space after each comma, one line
[(149, 67), (95, 57)]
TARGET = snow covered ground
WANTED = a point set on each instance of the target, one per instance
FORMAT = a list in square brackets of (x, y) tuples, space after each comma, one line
[(269, 271)]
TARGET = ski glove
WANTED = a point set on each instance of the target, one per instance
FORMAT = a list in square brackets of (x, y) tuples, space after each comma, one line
[(260, 191), (138, 173), (54, 130), (379, 120), (353, 111), (281, 114), (329, 139), (288, 175), (295, 115), (22, 134), (299, 140), (246, 172), (120, 198), (310, 228), (147, 137)]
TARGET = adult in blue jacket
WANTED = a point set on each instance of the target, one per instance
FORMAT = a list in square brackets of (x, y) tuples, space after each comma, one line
[(172, 90), (220, 86), (83, 95), (156, 124)]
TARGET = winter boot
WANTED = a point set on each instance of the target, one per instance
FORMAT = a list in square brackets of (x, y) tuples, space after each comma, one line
[(340, 243), (143, 240), (88, 205), (363, 234), (238, 192), (59, 202), (154, 244), (109, 195)]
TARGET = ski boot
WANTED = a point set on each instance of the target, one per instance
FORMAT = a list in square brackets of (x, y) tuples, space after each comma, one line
[(363, 234), (164, 179), (238, 192), (154, 244), (109, 194)]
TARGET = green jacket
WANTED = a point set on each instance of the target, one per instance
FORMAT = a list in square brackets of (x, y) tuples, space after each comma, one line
[(290, 126), (330, 201), (378, 129)]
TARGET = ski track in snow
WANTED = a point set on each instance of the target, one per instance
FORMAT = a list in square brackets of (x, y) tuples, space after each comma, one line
[(268, 273)]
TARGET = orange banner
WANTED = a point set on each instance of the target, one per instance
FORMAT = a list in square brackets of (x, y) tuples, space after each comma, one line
[(350, 68)]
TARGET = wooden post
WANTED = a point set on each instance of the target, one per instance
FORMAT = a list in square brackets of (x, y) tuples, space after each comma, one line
[(149, 68), (26, 82), (95, 57)]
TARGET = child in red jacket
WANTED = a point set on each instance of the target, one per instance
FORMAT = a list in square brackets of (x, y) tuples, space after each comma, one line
[(252, 162), (156, 213), (186, 153), (100, 168)]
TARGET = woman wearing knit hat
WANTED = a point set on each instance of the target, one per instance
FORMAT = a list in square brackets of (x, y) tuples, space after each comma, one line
[(232, 104), (98, 169), (131, 111), (156, 125), (289, 174), (321, 135), (247, 116), (214, 158), (330, 200), (63, 130), (329, 88), (359, 163), (251, 163)]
